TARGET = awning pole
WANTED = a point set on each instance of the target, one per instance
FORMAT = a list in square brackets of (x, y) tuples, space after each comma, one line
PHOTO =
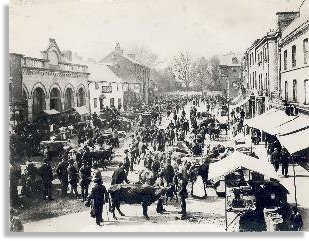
[(225, 203), (295, 196)]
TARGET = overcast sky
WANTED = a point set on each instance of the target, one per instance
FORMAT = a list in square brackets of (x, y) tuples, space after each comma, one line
[(92, 27)]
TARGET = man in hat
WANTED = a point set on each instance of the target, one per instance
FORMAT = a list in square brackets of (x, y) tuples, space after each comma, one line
[(73, 177), (275, 159), (183, 194), (62, 173), (85, 174), (47, 178), (98, 196)]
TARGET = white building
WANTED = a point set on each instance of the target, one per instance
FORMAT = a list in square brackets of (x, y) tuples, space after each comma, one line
[(294, 51), (105, 88)]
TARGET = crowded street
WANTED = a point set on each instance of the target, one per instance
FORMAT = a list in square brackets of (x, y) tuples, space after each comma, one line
[(158, 116)]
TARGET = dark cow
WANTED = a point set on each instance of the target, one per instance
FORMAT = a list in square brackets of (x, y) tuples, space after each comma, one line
[(134, 194)]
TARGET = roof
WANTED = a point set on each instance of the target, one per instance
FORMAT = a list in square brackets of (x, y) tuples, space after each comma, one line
[(270, 120), (295, 141), (100, 72), (238, 160), (299, 21)]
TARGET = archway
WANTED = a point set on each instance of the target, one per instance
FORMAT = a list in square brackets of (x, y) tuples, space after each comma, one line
[(38, 105), (81, 99), (68, 99), (55, 99)]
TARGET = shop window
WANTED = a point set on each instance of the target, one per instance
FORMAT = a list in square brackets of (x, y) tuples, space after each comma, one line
[(306, 85)]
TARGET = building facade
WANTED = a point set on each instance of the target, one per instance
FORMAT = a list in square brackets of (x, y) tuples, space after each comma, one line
[(105, 88), (230, 75), (294, 52), (262, 72), (50, 82), (135, 76)]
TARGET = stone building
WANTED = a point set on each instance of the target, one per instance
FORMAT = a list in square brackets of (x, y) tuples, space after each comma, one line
[(135, 76), (49, 82), (294, 51)]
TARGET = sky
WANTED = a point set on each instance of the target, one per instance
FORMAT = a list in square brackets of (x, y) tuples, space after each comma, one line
[(92, 27)]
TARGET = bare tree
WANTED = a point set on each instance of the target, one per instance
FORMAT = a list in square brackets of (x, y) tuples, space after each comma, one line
[(144, 55), (183, 69), (202, 75)]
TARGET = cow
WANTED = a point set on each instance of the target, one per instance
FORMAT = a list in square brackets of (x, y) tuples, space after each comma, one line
[(134, 194)]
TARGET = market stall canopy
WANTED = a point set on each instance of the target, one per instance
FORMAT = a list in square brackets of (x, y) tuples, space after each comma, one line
[(240, 103), (296, 141), (268, 121), (83, 110), (236, 99), (238, 160), (296, 124), (51, 112)]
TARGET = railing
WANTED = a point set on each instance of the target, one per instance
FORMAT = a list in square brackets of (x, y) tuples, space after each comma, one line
[(106, 89), (30, 62)]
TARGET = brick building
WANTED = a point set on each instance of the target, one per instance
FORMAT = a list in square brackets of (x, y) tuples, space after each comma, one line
[(135, 76), (49, 82), (230, 75)]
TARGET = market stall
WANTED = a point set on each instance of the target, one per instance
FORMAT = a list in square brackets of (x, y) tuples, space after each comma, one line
[(245, 181)]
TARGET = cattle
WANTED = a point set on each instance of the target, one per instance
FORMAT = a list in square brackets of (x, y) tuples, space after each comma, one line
[(134, 194)]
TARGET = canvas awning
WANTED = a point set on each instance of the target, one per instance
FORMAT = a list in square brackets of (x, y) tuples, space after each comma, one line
[(296, 124), (238, 160), (268, 121), (51, 112), (83, 110), (236, 99), (240, 103), (296, 141)]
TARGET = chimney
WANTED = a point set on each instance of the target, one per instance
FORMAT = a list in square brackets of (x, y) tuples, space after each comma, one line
[(132, 56), (285, 18), (118, 49)]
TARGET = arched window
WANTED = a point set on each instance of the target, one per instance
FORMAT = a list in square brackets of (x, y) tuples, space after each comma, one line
[(55, 99), (38, 102), (295, 90), (53, 58), (81, 97), (286, 91)]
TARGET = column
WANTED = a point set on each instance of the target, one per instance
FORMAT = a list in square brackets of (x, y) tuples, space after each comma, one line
[(30, 110), (62, 104), (47, 104)]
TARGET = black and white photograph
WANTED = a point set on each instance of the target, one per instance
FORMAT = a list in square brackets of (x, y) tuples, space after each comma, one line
[(157, 116)]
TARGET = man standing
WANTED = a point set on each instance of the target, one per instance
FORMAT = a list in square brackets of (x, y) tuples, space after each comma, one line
[(183, 194), (275, 159), (62, 173), (285, 162), (73, 177), (98, 196), (85, 174), (47, 178), (296, 220), (127, 164)]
